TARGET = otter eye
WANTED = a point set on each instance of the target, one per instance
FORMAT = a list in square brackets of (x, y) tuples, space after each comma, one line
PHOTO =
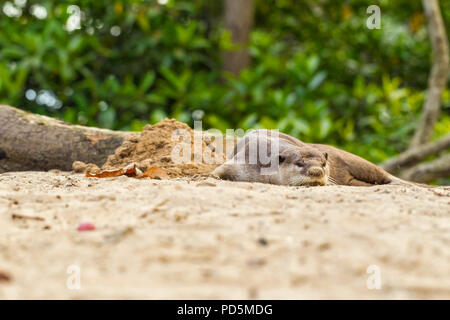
[(281, 159), (299, 164)]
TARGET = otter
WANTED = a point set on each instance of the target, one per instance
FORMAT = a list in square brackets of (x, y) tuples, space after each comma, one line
[(298, 163)]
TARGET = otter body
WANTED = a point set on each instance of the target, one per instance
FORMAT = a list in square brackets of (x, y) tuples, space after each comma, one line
[(298, 163)]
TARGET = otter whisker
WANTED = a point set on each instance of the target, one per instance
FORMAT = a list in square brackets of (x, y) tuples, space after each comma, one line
[(333, 181)]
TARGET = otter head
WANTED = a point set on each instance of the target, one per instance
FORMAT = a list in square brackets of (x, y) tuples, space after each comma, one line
[(304, 167)]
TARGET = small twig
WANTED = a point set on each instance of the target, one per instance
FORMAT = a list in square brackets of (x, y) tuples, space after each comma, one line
[(115, 237), (20, 216), (154, 209)]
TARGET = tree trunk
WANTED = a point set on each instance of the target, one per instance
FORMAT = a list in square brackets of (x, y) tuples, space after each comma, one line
[(439, 73), (34, 142), (239, 21)]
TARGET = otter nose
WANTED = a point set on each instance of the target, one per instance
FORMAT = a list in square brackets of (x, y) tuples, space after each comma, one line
[(315, 172)]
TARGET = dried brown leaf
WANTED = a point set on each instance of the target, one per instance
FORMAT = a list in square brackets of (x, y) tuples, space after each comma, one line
[(129, 171), (155, 173)]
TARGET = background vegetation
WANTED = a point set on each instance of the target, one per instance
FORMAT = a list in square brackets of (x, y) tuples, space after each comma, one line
[(317, 72)]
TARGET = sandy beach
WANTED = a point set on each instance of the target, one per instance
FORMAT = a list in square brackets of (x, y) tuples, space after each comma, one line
[(202, 238)]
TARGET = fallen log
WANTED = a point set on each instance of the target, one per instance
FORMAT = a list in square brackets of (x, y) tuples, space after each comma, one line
[(35, 142)]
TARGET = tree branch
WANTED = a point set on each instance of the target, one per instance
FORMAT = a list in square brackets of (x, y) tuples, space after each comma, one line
[(439, 73), (429, 171), (412, 156)]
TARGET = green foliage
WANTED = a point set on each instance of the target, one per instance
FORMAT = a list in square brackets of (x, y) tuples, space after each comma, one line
[(317, 72)]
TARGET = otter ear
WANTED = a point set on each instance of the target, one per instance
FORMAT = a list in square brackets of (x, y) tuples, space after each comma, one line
[(326, 155)]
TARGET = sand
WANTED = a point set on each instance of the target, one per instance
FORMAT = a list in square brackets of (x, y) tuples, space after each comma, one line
[(196, 238)]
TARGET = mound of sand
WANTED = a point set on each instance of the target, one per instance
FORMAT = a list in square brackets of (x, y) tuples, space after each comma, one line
[(153, 148), (209, 239)]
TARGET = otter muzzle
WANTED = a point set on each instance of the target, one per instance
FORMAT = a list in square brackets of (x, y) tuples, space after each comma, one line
[(315, 172)]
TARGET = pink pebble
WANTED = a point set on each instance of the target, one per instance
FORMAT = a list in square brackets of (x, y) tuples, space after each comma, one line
[(86, 226)]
